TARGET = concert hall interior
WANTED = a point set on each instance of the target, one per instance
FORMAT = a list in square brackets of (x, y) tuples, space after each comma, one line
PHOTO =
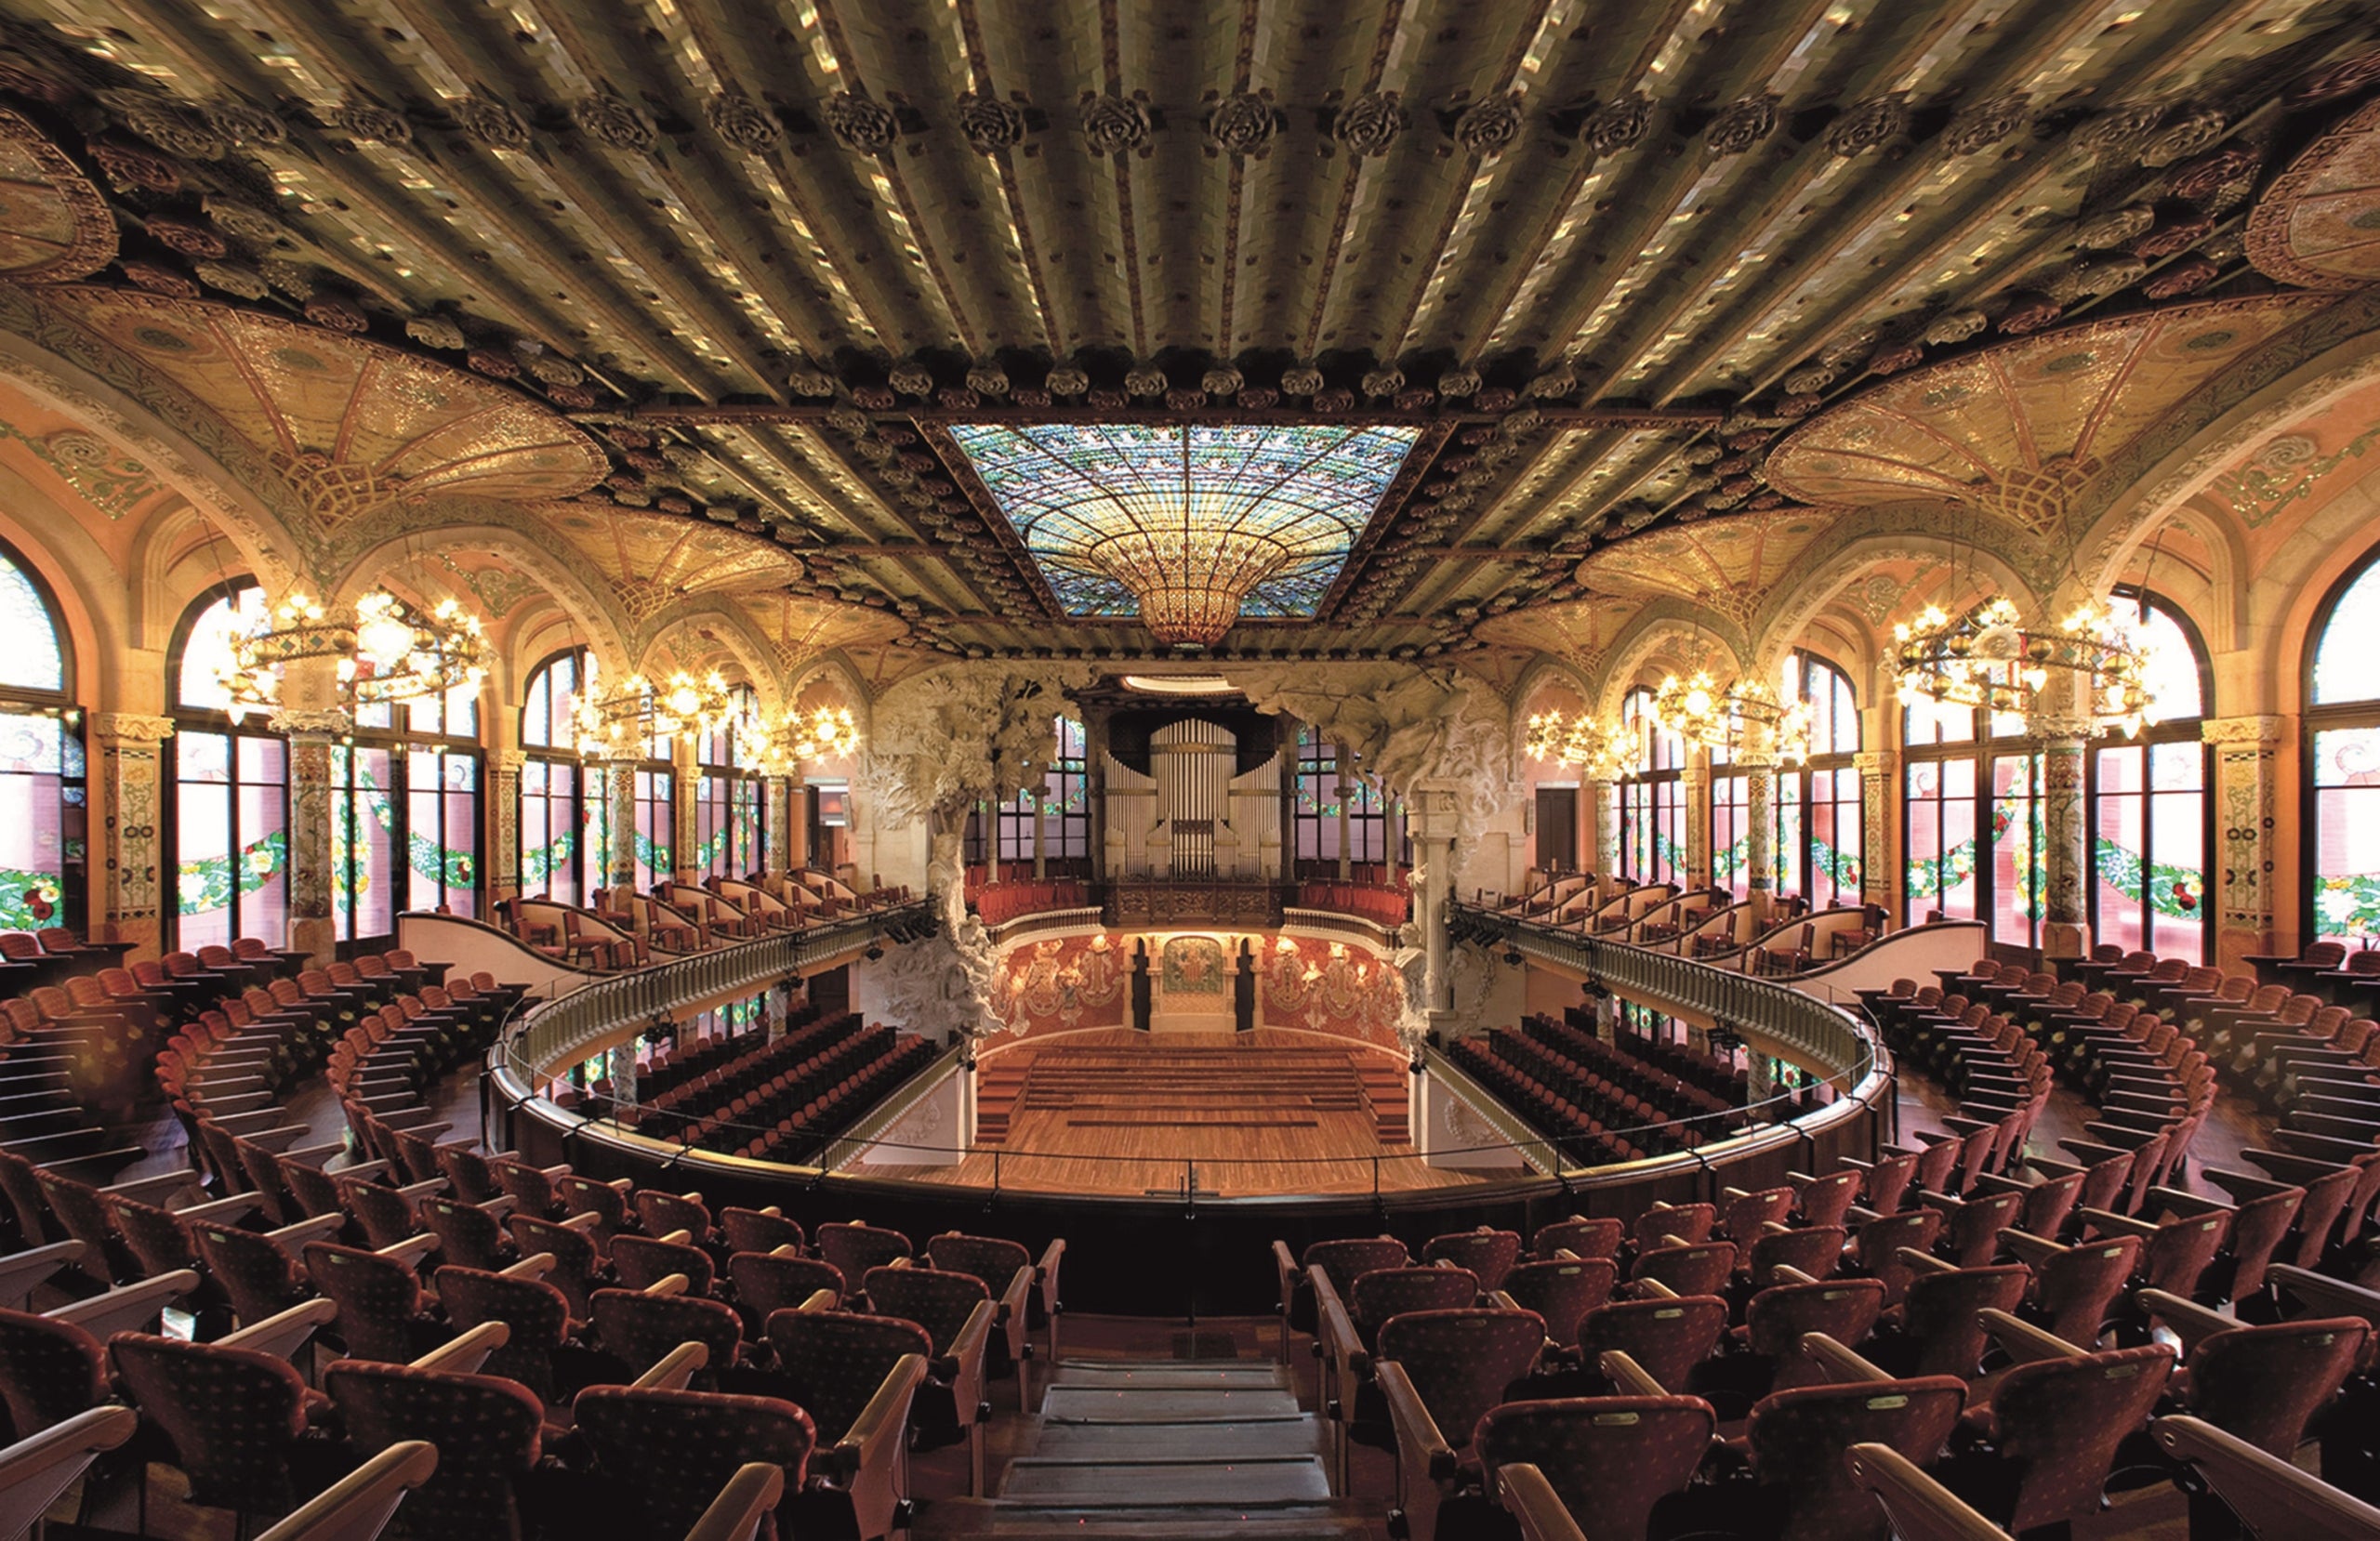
[(1391, 770)]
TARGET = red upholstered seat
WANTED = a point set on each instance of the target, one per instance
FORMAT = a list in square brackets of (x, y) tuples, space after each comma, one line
[(1610, 1460), (487, 1430), (663, 1455)]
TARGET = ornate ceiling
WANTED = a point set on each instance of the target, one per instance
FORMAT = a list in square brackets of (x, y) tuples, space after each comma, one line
[(701, 286)]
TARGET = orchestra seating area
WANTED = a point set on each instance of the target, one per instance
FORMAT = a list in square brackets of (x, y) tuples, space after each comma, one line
[(1602, 1101)]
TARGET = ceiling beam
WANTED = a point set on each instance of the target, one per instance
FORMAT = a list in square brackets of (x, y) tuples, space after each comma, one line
[(740, 413)]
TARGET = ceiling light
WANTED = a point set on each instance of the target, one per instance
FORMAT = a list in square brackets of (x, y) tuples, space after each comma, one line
[(1989, 657)]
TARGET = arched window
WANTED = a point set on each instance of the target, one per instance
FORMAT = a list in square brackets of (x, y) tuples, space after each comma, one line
[(43, 808), (727, 821), (1819, 824), (229, 813), (2343, 759), (1652, 797), (565, 816), (2148, 805)]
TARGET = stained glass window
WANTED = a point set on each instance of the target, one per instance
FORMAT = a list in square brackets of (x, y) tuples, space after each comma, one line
[(33, 660), (2343, 783), (1817, 849), (2148, 805), (2343, 668), (565, 824), (206, 647), (1652, 797), (1087, 499)]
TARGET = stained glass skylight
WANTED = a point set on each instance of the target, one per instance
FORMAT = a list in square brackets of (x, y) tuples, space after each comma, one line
[(1187, 527)]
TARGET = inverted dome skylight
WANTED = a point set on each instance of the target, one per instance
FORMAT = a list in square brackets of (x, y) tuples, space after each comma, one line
[(1187, 527)]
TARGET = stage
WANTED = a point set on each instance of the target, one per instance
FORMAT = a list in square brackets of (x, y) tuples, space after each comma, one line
[(1116, 1112)]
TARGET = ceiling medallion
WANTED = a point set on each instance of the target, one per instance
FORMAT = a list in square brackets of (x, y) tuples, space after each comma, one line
[(744, 123), (1877, 120), (1242, 123), (1488, 127), (1989, 657), (1617, 125), (388, 654), (1115, 125), (1368, 124), (1600, 751), (990, 124), (1985, 123), (1746, 720), (863, 124)]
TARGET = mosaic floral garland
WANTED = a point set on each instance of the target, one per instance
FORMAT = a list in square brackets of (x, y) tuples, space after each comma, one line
[(207, 884), (19, 913)]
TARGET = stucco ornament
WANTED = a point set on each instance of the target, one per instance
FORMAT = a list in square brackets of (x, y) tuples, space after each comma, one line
[(943, 985)]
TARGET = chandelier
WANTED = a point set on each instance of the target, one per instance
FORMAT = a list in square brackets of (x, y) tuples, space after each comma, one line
[(1742, 718), (1601, 752), (389, 654), (623, 724), (781, 748), (1989, 657)]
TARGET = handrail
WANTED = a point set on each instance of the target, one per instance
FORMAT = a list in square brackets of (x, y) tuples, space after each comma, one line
[(1811, 1033), (555, 1032)]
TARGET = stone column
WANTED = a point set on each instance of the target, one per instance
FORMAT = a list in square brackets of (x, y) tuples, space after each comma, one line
[(311, 735), (620, 790), (1760, 832), (1434, 816), (2246, 792), (2066, 920), (126, 904), (685, 829), (1697, 782), (504, 873), (1879, 794), (778, 790)]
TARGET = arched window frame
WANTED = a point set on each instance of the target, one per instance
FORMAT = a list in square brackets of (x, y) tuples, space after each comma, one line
[(728, 825), (43, 771), (1819, 850), (2154, 787), (228, 776), (1652, 797), (1334, 831), (407, 778), (560, 799), (2338, 896)]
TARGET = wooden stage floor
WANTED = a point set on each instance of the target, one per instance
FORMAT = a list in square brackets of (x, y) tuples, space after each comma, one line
[(1125, 1113)]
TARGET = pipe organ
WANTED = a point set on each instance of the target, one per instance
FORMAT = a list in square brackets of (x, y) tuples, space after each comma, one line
[(1191, 816)]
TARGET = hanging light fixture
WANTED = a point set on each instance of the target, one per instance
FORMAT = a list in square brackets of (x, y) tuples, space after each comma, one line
[(828, 732), (1736, 719), (1989, 657), (389, 654), (1601, 752), (622, 724)]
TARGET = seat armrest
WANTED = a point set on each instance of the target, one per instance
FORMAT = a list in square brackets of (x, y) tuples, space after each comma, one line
[(1915, 1503), (316, 1155), (412, 1250), (967, 1351), (1651, 1289), (1921, 1262), (670, 1284), (1843, 1364), (2024, 1342), (1286, 1270), (467, 1351), (321, 1228), (1534, 1506), (1045, 1273), (2180, 1202), (282, 1335), (2323, 1292), (820, 1300), (231, 1211), (1015, 1305), (2192, 1322), (874, 1435), (537, 1265), (676, 1367), (156, 1189), (589, 1220), (2029, 1250), (429, 1188), (130, 1309), (1422, 1454), (2272, 1496), (2108, 1223), (1632, 1378), (360, 1503)]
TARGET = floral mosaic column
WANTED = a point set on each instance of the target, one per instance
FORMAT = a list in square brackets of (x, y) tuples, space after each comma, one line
[(2246, 786), (505, 879), (620, 791), (685, 831), (780, 815), (1879, 794), (1606, 858), (2065, 923), (127, 902), (1760, 832), (1697, 820), (311, 732)]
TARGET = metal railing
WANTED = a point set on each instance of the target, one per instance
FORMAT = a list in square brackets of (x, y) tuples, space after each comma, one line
[(557, 1032), (1814, 1034)]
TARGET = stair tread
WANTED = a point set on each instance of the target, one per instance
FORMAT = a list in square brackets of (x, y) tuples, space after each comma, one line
[(1007, 1520), (1145, 1483), (1159, 1405), (1237, 1439)]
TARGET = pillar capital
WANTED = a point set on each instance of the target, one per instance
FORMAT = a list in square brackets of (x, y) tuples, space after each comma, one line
[(2259, 730), (510, 763), (1876, 762), (312, 722), (131, 726)]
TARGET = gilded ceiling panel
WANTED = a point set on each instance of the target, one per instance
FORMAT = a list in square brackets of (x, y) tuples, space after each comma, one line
[(2318, 224), (53, 223), (2018, 429), (1725, 563)]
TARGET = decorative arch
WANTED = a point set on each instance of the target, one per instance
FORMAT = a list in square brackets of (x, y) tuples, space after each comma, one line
[(1667, 623), (43, 833)]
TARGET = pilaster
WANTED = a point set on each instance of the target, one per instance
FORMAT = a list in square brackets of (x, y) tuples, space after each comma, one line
[(125, 898), (2066, 922), (2247, 752), (504, 881), (1880, 830), (620, 788)]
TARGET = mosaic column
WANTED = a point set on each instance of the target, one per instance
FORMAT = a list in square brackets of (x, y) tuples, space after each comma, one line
[(1605, 860), (1434, 816), (2066, 922), (2246, 791), (504, 878), (311, 732), (780, 795), (1878, 770), (620, 789), (127, 905), (1697, 780), (1760, 832), (685, 827)]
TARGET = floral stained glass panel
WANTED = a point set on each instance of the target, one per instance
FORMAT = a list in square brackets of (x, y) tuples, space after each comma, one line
[(1073, 491), (30, 657)]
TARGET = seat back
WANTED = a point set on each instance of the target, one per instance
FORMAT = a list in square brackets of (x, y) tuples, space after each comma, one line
[(1828, 1200), (855, 1248), (2259, 1227), (1798, 1439), (1975, 1229), (485, 1428), (468, 1235), (232, 1416), (2074, 1288), (1609, 1459), (663, 1455), (662, 1213), (1939, 1315), (573, 1254), (1387, 1292), (1598, 1237), (1668, 1337), (376, 1299), (1888, 1181), (1486, 1253), (990, 1258), (640, 1262), (2060, 1421), (833, 1361), (940, 1302), (1877, 1246), (751, 1230), (1845, 1309), (2181, 1251), (1816, 1250), (639, 1330), (1461, 1361), (1561, 1291), (253, 1270), (1687, 1222), (1345, 1261), (2261, 1383), (1697, 1269), (49, 1371)]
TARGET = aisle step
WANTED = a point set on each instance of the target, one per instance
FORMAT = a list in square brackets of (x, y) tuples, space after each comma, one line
[(1342, 1520), (1170, 1374), (1262, 1479), (1300, 1434)]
